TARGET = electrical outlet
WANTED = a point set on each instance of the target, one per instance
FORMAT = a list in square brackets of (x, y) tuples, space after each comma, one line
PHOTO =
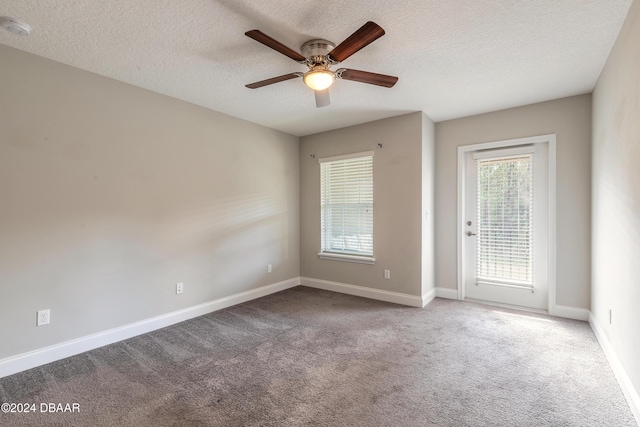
[(44, 317), (269, 268), (387, 274), (179, 288)]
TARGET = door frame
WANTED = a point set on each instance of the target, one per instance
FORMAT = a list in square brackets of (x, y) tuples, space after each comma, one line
[(551, 252)]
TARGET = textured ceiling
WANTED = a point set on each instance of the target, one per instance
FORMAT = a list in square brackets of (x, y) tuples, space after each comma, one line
[(454, 58)]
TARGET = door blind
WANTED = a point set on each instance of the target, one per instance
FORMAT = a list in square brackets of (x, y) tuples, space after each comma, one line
[(505, 220), (346, 193)]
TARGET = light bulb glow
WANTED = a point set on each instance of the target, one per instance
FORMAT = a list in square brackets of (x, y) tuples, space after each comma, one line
[(319, 79)]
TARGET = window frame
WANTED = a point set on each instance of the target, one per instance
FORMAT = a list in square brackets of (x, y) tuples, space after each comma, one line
[(346, 256), (527, 153)]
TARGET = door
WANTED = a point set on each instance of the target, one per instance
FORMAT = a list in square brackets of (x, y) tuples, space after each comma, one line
[(506, 222)]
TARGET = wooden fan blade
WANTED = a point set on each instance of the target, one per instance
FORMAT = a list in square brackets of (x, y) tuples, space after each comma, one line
[(322, 98), (368, 33), (274, 44), (273, 80), (367, 77)]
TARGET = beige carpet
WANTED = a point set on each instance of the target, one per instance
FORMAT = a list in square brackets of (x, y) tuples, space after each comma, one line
[(311, 357)]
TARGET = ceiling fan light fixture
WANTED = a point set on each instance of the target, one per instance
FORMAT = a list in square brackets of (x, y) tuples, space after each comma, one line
[(319, 79)]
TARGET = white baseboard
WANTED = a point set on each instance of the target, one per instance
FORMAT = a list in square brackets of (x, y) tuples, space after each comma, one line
[(630, 393), (31, 359), (567, 312), (361, 291), (447, 293), (428, 297)]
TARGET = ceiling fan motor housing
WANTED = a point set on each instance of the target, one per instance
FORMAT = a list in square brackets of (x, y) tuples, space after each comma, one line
[(319, 77), (316, 50)]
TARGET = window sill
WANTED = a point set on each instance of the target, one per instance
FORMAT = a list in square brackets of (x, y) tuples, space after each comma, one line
[(347, 258)]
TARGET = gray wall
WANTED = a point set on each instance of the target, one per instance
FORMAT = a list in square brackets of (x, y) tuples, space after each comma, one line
[(428, 204), (398, 199), (111, 194), (570, 120), (616, 197)]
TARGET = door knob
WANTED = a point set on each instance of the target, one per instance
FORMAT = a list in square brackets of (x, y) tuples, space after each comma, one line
[(470, 234)]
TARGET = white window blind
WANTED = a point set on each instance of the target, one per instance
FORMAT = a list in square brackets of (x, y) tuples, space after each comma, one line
[(505, 220), (346, 193)]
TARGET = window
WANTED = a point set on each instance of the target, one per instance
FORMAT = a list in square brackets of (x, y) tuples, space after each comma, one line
[(346, 204), (505, 220)]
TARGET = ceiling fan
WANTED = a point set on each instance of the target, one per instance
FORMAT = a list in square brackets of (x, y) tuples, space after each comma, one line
[(320, 55)]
